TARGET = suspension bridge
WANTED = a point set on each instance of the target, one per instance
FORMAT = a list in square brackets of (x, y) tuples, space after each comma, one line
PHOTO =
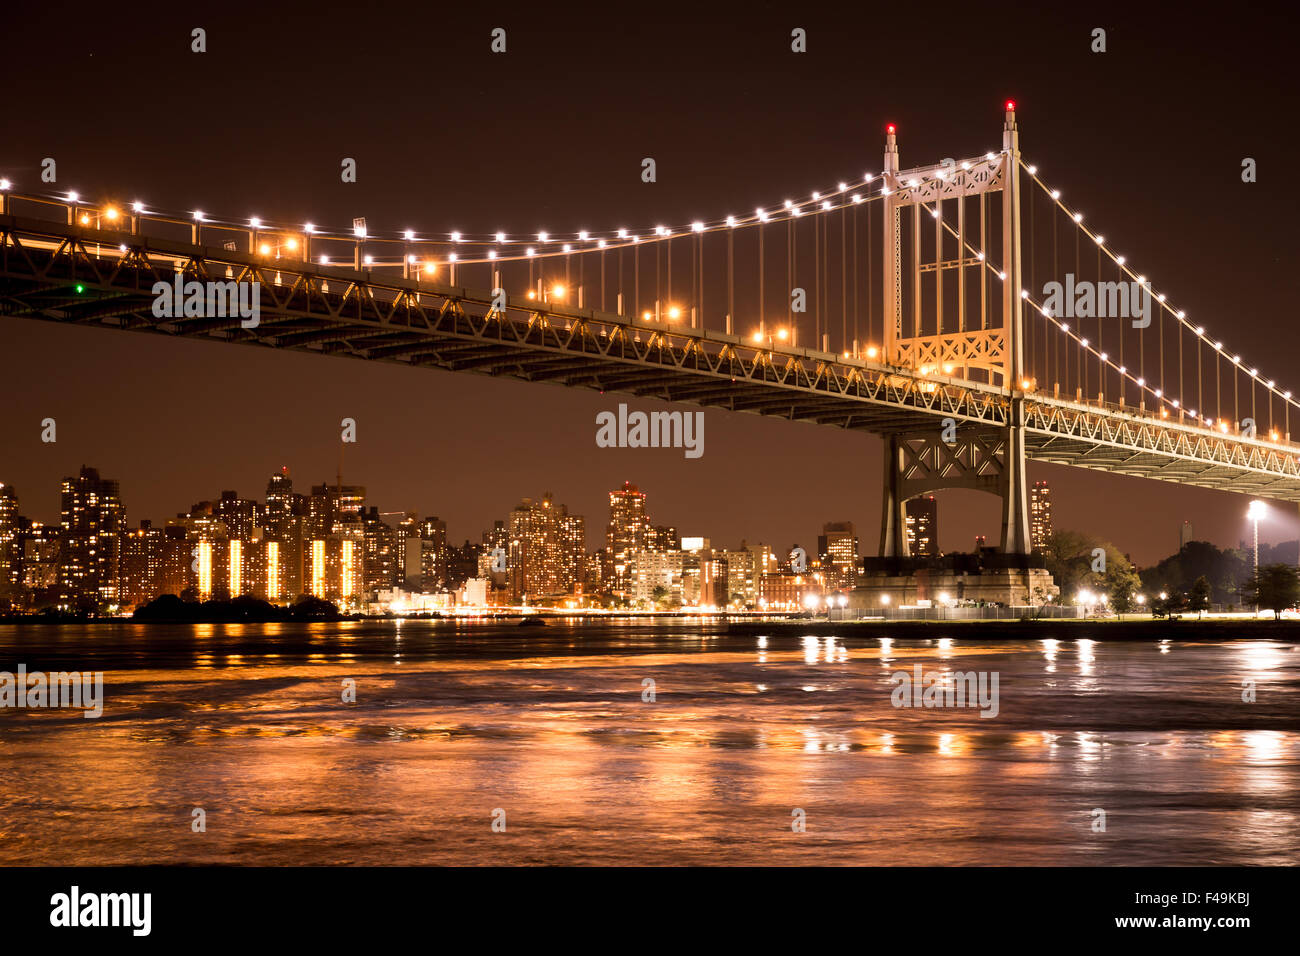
[(911, 303)]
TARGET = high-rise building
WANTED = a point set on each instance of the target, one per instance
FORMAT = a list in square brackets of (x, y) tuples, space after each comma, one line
[(384, 565), (144, 552), (1185, 535), (42, 549), (92, 517), (837, 549), (546, 552), (625, 534), (923, 526), (1040, 515), (11, 566)]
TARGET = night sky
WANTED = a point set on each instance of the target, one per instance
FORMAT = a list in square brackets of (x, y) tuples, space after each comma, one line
[(1148, 138)]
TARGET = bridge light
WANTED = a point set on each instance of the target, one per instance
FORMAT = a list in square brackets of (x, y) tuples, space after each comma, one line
[(871, 352), (796, 212), (1065, 326), (731, 221), (758, 336), (409, 235), (843, 186), (1200, 329), (543, 237), (1218, 346), (988, 156), (85, 219), (1142, 382), (1160, 298), (501, 237), (198, 216), (557, 291), (264, 249), (80, 288), (567, 247), (980, 255), (1024, 293), (1286, 394), (622, 233), (674, 312), (782, 334), (492, 253), (1025, 385), (1175, 403), (72, 197), (308, 228), (1119, 260), (1032, 170), (697, 226), (1158, 392), (324, 260), (1142, 280), (1002, 276), (1056, 194), (255, 222), (856, 197), (1078, 217), (137, 207), (110, 214), (411, 259), (1123, 369), (886, 191), (529, 251), (1253, 371), (451, 257), (947, 368), (291, 244), (1104, 357), (369, 260), (789, 204), (600, 244), (1083, 343), (1099, 239), (583, 235), (826, 205), (4, 184), (1236, 360), (816, 196), (934, 214), (455, 237)]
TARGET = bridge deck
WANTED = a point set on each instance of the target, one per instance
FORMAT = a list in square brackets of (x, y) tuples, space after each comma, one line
[(376, 317)]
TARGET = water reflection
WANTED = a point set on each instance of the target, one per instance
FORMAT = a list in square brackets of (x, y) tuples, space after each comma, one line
[(554, 728)]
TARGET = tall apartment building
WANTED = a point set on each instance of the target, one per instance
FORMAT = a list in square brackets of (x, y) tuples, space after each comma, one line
[(1040, 515), (837, 549), (546, 551), (11, 565), (92, 518), (625, 534), (923, 526)]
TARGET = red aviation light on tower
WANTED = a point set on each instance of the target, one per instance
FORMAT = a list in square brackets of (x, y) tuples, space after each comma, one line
[(1011, 106), (891, 129)]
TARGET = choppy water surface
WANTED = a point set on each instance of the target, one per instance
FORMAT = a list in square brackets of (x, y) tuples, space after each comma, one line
[(549, 725)]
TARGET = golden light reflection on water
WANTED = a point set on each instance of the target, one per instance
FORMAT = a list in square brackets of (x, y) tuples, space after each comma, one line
[(737, 734)]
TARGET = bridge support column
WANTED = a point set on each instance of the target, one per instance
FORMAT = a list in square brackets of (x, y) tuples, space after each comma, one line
[(893, 517), (1015, 489)]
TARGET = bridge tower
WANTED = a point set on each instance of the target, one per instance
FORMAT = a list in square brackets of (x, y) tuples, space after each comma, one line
[(983, 332)]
